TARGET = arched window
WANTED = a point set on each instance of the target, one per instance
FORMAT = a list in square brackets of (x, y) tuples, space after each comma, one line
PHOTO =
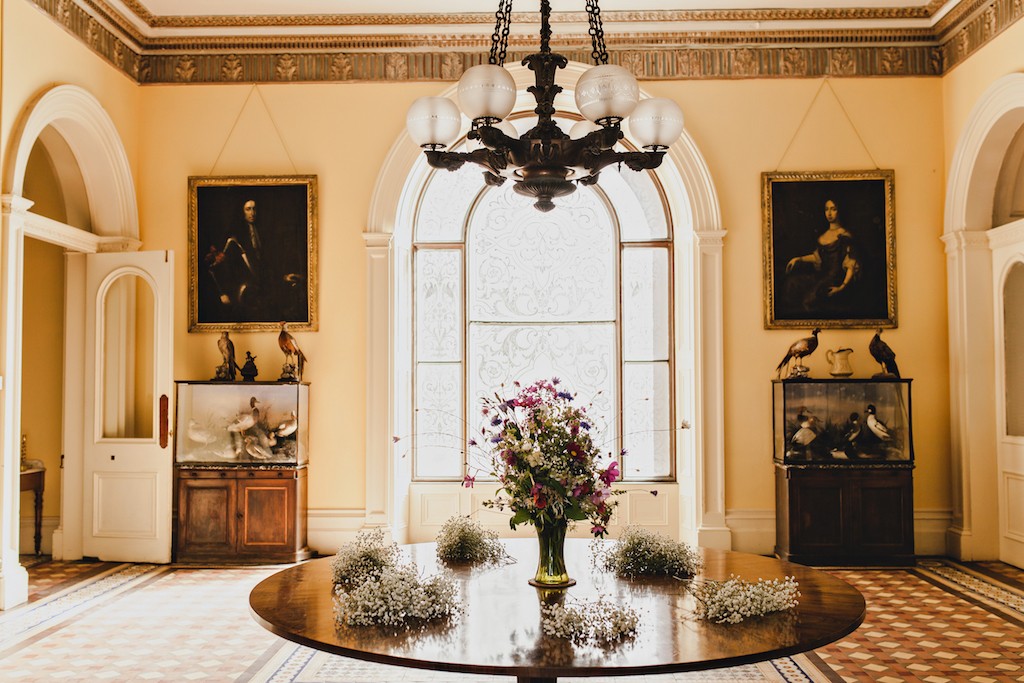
[(505, 293)]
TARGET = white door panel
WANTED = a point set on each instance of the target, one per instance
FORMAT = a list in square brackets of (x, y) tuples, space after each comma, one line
[(128, 462), (1008, 288)]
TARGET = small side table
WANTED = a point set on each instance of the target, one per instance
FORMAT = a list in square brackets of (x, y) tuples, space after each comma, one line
[(34, 480)]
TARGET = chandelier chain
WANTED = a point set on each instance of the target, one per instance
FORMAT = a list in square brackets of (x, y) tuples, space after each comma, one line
[(499, 39), (599, 52)]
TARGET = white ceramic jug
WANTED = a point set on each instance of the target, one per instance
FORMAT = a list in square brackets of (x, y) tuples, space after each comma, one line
[(840, 361)]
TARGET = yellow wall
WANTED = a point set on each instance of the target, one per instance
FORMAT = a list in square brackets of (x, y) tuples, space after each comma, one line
[(43, 366), (342, 133)]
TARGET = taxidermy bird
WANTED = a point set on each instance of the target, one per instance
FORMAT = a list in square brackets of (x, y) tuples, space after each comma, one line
[(227, 352), (876, 426), (807, 432), (884, 355), (851, 434), (248, 420), (799, 349), (200, 435), (288, 425), (291, 349), (255, 450)]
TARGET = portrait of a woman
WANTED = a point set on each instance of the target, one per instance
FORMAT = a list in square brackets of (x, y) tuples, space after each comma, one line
[(829, 252)]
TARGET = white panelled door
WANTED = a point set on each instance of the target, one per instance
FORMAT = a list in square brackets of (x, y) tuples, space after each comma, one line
[(1008, 272), (128, 379)]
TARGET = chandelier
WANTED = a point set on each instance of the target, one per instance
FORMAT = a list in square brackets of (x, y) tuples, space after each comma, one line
[(544, 162)]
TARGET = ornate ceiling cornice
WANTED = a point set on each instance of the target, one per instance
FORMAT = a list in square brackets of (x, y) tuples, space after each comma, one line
[(206, 57)]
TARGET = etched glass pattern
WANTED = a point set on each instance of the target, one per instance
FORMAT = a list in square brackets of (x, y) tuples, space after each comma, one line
[(442, 212), (541, 267), (438, 421), (581, 355), (645, 280), (646, 420), (438, 304)]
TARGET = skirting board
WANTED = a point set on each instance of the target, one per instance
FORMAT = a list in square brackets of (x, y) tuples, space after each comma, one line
[(26, 541), (753, 531)]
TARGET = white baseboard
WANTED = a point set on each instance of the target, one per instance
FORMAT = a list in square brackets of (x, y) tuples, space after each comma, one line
[(753, 531), (327, 530), (26, 541)]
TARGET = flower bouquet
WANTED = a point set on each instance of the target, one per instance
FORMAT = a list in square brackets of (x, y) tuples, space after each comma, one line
[(548, 468)]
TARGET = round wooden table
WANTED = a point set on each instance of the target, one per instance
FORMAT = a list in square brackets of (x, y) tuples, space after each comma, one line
[(499, 631)]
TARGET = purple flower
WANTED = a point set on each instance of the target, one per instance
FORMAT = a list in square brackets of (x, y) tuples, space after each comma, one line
[(395, 439), (472, 442), (555, 380), (564, 394), (496, 438), (585, 425), (468, 481), (495, 421)]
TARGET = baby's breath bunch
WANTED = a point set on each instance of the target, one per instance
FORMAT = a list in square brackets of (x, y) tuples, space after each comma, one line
[(363, 559), (465, 540), (397, 596), (600, 622), (639, 552), (733, 600)]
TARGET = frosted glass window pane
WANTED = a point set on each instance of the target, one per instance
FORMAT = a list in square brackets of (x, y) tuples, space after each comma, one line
[(438, 304), (1013, 324), (442, 212), (645, 309), (541, 267), (637, 202), (582, 356), (646, 421), (438, 421)]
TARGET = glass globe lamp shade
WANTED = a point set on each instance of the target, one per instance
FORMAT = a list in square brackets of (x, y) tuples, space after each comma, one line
[(433, 122), (606, 92), (504, 126), (582, 129), (656, 123), (487, 91)]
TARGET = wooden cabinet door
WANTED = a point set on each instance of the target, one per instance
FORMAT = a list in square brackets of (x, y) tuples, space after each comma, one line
[(266, 513), (206, 516)]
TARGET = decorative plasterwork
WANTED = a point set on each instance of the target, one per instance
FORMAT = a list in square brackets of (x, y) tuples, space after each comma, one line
[(657, 54)]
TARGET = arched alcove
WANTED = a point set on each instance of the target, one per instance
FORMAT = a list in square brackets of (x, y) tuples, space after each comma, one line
[(690, 196), (984, 149), (67, 139)]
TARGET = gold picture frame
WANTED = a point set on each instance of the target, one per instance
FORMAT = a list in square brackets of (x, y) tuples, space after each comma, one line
[(252, 252), (829, 249)]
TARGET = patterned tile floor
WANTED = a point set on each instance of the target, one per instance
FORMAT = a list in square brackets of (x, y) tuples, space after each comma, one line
[(938, 622)]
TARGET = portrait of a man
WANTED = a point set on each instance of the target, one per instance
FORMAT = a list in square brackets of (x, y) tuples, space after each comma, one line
[(829, 250), (252, 253)]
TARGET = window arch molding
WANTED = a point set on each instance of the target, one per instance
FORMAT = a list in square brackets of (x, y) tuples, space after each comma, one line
[(698, 240)]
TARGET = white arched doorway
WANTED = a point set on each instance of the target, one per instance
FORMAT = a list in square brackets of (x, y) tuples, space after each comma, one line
[(698, 299), (99, 207), (975, 225)]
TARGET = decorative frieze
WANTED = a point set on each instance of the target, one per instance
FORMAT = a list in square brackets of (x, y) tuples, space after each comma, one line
[(664, 55)]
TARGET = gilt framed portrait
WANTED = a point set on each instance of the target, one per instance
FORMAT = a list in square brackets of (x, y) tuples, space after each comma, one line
[(829, 249), (252, 259)]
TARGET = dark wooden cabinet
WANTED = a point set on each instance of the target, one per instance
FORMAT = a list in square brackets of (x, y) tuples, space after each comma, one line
[(845, 514), (241, 514)]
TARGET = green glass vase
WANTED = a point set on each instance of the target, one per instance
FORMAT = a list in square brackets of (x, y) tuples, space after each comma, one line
[(551, 571)]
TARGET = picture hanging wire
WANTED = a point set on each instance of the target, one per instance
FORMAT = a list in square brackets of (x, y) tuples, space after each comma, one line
[(826, 82), (254, 89)]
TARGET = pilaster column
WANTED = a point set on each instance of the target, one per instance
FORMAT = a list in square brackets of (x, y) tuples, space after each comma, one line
[(379, 342)]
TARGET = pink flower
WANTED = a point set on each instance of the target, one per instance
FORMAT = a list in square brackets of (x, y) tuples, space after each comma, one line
[(611, 474), (598, 530), (468, 481)]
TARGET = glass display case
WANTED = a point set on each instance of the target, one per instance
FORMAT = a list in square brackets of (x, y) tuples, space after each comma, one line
[(243, 423), (842, 421)]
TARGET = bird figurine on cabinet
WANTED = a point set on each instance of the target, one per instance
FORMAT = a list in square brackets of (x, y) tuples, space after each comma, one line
[(797, 352), (883, 355), (876, 426), (288, 425), (226, 370), (294, 359)]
